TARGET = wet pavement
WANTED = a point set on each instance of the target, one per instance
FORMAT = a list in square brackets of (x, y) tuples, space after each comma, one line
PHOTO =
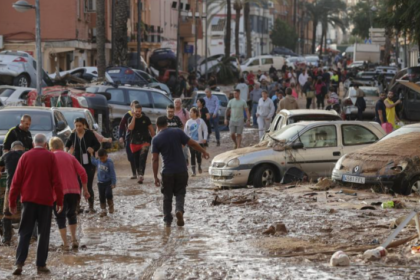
[(226, 241)]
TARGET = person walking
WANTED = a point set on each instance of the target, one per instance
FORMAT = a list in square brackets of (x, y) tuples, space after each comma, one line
[(184, 116), (205, 115), (380, 109), (255, 96), (277, 98), (236, 122), (142, 132), (244, 89), (168, 143), (303, 78), (19, 133), (69, 170), (212, 103), (265, 113), (360, 102), (319, 92), (124, 139), (80, 144), (38, 183), (309, 90), (391, 116), (289, 102), (196, 129), (173, 121), (9, 162), (107, 181)]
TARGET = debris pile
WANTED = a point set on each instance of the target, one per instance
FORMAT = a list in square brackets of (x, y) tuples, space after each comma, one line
[(242, 199)]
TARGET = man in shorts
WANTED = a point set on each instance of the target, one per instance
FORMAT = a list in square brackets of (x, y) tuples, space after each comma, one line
[(235, 109)]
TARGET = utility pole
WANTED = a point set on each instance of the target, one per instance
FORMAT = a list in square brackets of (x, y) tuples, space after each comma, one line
[(139, 65), (112, 33), (178, 41), (196, 36), (206, 46)]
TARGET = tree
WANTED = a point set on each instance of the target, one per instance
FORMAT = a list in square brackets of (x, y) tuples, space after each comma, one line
[(283, 35), (228, 29), (361, 15), (120, 50), (247, 28), (237, 6), (100, 38)]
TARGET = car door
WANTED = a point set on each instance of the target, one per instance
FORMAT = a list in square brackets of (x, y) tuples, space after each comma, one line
[(266, 63), (320, 152), (254, 65), (160, 103), (412, 105), (354, 136), (143, 97), (118, 104)]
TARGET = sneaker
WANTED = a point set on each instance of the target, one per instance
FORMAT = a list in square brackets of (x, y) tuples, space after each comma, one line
[(43, 269), (200, 170), (75, 244), (180, 219), (140, 181), (103, 213), (133, 177), (18, 270)]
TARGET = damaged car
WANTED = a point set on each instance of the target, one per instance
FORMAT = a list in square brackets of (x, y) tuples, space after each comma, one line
[(393, 163), (312, 147)]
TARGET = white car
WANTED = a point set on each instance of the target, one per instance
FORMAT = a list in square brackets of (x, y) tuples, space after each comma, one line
[(86, 73), (261, 63), (311, 147), (312, 60), (14, 96)]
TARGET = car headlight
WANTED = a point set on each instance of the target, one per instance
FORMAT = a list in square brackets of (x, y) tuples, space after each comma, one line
[(338, 165), (233, 163), (82, 101)]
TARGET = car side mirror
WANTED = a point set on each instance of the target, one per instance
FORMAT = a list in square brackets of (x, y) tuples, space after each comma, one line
[(297, 146), (61, 126)]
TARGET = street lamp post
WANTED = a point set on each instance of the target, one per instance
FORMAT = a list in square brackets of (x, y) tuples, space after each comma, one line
[(23, 6)]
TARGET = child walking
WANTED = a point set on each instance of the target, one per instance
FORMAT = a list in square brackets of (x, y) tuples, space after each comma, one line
[(196, 129), (106, 180)]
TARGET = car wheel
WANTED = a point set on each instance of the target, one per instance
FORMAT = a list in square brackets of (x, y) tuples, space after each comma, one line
[(413, 186), (115, 130), (22, 81), (264, 176)]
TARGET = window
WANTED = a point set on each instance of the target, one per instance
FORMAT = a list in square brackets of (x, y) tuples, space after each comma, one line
[(267, 61), (357, 135), (117, 96), (319, 137), (161, 102), (141, 96), (6, 92), (24, 94), (255, 62)]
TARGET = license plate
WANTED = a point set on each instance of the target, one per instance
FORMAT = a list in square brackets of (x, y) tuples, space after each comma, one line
[(216, 172), (354, 179)]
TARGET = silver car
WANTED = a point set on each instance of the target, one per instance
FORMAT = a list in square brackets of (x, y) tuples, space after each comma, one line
[(14, 96), (70, 114), (349, 102), (19, 69), (312, 147), (153, 101)]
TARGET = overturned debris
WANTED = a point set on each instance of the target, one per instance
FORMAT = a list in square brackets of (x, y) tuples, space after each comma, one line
[(242, 199), (276, 228)]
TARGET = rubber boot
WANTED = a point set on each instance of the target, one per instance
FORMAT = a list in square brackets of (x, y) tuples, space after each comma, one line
[(103, 210), (7, 231), (110, 206), (193, 171), (91, 209)]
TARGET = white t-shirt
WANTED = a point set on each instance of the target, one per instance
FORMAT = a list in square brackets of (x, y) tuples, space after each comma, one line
[(244, 91)]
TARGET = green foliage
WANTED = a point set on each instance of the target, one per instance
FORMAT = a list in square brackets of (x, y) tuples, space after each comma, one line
[(283, 35), (360, 15), (225, 70)]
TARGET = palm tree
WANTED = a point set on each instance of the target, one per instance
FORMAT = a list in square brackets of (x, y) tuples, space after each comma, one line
[(121, 43), (333, 20), (228, 30), (237, 6), (100, 38)]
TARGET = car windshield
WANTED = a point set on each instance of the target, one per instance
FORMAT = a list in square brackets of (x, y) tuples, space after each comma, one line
[(92, 89), (70, 116), (402, 131), (312, 117), (246, 61), (41, 121), (287, 132)]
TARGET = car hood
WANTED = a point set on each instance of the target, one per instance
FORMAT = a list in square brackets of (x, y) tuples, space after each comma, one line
[(251, 152)]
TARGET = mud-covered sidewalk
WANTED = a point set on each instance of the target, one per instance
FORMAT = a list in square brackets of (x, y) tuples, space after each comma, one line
[(226, 241)]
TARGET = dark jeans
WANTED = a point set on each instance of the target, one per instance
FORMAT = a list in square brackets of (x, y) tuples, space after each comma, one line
[(90, 170), (308, 103), (31, 213), (359, 114), (105, 191), (141, 158), (174, 184), (215, 123), (130, 157), (320, 101), (69, 210), (195, 155)]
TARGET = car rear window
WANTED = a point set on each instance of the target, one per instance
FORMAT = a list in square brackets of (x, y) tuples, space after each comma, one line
[(6, 92), (306, 118), (41, 121)]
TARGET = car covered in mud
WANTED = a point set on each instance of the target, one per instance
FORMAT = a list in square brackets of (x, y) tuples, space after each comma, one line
[(312, 147), (286, 117), (393, 162)]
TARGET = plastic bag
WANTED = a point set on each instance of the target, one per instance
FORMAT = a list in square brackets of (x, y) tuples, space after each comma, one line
[(387, 127), (339, 259)]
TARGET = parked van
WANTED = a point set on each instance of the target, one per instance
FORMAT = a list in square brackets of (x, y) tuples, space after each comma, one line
[(262, 63)]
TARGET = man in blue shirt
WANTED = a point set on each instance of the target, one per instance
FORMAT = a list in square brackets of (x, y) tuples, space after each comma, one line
[(212, 104), (168, 142)]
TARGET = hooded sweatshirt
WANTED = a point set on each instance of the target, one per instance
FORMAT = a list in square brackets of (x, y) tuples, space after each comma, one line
[(288, 103)]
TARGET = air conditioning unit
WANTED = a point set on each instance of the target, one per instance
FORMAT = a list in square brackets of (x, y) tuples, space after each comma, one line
[(1, 42)]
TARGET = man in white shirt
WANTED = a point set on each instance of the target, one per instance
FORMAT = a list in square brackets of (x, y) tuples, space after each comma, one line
[(244, 89), (265, 113)]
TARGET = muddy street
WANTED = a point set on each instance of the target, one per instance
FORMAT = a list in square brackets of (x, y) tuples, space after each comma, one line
[(226, 241)]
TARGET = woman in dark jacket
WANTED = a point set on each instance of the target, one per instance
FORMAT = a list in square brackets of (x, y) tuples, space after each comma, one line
[(80, 143)]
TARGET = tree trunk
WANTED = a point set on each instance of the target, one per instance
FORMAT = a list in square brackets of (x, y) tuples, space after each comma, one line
[(247, 28), (325, 39), (228, 29), (100, 38), (320, 44), (237, 22), (121, 43), (315, 24), (387, 55)]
